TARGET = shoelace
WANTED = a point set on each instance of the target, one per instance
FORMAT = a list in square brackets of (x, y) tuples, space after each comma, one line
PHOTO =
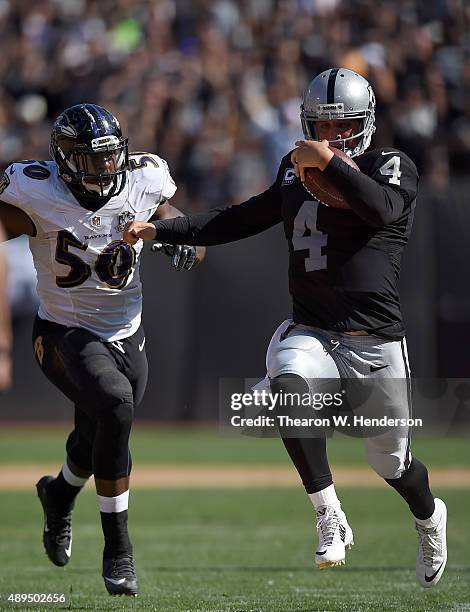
[(123, 566), (328, 524), (429, 544), (60, 525)]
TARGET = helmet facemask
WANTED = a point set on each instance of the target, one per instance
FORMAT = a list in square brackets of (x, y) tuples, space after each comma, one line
[(101, 169), (315, 109)]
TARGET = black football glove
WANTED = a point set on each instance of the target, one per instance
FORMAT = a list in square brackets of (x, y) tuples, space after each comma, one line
[(183, 256)]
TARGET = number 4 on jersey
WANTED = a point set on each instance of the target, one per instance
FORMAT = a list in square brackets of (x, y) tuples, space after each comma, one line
[(307, 236), (391, 168)]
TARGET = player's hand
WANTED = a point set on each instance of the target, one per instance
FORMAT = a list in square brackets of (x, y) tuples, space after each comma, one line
[(183, 256), (310, 154), (136, 230)]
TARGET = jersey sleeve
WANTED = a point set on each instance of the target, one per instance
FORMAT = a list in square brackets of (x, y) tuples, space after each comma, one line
[(169, 185), (152, 183), (382, 191), (14, 190), (10, 188), (394, 169)]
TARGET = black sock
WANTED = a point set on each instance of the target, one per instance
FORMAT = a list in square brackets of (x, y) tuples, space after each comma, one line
[(307, 454), (310, 460), (116, 537), (413, 486), (62, 493)]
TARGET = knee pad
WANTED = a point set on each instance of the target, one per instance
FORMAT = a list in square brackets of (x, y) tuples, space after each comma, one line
[(387, 466), (118, 416), (289, 383), (114, 393), (388, 454), (290, 386), (115, 404)]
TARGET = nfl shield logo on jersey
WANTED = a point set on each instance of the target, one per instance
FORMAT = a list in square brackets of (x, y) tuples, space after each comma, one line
[(96, 221), (124, 218)]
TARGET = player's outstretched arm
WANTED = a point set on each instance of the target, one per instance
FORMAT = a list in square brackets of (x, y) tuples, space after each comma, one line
[(183, 256), (217, 226), (15, 222), (5, 328)]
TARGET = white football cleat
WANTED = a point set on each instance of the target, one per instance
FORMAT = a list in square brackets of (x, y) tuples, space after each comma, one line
[(334, 535), (432, 548)]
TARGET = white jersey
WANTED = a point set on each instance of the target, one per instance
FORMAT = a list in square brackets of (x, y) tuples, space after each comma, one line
[(87, 275)]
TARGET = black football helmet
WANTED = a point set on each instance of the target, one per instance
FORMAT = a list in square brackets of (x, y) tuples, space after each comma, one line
[(90, 151)]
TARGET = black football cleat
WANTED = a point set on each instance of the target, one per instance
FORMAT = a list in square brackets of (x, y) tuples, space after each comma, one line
[(57, 533), (119, 575)]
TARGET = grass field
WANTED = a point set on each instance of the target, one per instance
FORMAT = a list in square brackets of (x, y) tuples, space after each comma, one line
[(163, 444), (235, 550)]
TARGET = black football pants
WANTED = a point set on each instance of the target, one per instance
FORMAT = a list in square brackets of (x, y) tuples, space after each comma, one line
[(105, 381)]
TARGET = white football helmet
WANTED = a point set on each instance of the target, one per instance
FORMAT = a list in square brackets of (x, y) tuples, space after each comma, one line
[(340, 93)]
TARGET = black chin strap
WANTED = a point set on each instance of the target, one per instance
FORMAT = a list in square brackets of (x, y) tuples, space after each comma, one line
[(93, 203), (90, 203)]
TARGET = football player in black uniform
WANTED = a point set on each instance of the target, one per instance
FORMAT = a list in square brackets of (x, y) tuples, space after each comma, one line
[(343, 277)]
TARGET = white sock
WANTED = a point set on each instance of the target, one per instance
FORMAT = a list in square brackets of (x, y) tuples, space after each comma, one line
[(71, 478), (325, 497), (114, 504), (432, 521)]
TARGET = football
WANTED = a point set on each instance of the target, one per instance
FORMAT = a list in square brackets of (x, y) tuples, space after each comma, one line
[(322, 189)]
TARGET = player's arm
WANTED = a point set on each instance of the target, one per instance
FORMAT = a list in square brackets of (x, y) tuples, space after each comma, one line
[(217, 226), (5, 328), (377, 200), (15, 222), (183, 256)]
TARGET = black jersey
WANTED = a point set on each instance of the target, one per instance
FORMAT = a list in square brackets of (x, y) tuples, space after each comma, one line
[(344, 264)]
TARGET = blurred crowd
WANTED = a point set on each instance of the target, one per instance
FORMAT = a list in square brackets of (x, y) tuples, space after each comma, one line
[(214, 86)]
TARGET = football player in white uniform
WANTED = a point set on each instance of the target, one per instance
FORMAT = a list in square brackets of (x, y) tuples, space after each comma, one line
[(88, 339)]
